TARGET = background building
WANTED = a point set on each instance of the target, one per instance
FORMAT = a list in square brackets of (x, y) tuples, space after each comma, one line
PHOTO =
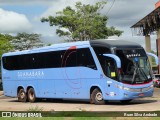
[(147, 26)]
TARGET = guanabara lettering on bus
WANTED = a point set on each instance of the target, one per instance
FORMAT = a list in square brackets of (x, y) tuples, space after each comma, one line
[(95, 71)]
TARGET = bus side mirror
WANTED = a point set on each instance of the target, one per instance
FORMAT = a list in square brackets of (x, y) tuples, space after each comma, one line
[(116, 58), (155, 57)]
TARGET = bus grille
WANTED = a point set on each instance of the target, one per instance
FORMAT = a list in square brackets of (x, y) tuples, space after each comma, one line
[(140, 89)]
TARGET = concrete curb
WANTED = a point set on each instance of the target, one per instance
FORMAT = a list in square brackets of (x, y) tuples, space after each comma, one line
[(1, 93)]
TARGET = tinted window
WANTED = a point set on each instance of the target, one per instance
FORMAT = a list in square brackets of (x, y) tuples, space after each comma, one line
[(33, 61), (54, 59), (69, 58), (101, 50), (85, 58)]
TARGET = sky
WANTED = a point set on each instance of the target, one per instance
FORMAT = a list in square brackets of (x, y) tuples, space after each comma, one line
[(25, 15)]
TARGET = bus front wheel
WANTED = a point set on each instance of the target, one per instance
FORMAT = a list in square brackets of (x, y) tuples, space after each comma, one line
[(97, 97), (31, 95), (22, 97)]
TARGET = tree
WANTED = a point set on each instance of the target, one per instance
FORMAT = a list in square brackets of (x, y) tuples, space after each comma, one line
[(82, 23), (153, 59), (5, 45), (25, 41)]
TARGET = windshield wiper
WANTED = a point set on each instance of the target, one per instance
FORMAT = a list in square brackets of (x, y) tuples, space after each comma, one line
[(134, 74), (138, 73), (143, 73)]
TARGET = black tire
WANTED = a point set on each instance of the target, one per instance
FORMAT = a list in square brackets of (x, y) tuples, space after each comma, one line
[(154, 84), (31, 95), (22, 97), (125, 101), (97, 97)]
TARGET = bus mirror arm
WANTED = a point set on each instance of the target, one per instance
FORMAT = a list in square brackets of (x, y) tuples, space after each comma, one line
[(116, 58), (155, 56)]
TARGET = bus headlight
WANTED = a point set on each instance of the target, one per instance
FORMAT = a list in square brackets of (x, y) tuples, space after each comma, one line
[(126, 88), (119, 86), (151, 86), (122, 87)]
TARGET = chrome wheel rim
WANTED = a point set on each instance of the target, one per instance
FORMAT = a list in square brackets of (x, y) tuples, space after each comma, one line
[(31, 96), (99, 96), (22, 95)]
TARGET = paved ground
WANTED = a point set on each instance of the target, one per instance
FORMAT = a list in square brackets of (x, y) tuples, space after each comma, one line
[(145, 104), (1, 93)]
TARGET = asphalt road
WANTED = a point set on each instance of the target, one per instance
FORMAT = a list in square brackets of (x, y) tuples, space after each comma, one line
[(143, 104)]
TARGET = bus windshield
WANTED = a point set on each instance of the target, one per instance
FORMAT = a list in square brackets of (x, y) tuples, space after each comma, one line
[(135, 66)]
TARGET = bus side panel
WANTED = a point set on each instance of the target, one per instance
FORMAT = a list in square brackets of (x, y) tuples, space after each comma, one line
[(111, 92), (80, 86), (73, 82), (68, 83), (9, 88), (54, 84), (8, 83), (40, 79), (12, 80), (46, 88)]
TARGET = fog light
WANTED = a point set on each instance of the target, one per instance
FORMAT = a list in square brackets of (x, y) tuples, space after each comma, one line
[(151, 86)]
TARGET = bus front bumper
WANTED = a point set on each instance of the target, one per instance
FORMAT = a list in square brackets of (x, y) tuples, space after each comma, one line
[(130, 93)]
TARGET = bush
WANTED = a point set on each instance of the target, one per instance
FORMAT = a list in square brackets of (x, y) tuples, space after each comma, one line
[(36, 108)]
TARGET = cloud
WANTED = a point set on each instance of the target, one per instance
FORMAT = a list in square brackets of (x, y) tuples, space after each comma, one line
[(26, 2), (127, 13), (59, 5), (123, 14), (12, 22)]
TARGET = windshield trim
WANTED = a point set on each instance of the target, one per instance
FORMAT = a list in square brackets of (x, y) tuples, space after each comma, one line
[(138, 84), (135, 64)]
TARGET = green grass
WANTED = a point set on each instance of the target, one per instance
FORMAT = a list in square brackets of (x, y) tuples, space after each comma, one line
[(46, 118), (84, 118), (59, 118), (55, 115)]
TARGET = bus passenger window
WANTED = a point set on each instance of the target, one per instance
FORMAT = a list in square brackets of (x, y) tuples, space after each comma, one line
[(85, 58), (71, 58)]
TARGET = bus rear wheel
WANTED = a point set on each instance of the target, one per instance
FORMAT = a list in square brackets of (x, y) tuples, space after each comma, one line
[(97, 97), (22, 97), (31, 95)]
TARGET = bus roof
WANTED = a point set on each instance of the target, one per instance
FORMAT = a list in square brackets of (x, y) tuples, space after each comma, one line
[(63, 46), (59, 46), (115, 43)]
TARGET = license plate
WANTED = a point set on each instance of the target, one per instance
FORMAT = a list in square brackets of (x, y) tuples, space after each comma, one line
[(141, 95)]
